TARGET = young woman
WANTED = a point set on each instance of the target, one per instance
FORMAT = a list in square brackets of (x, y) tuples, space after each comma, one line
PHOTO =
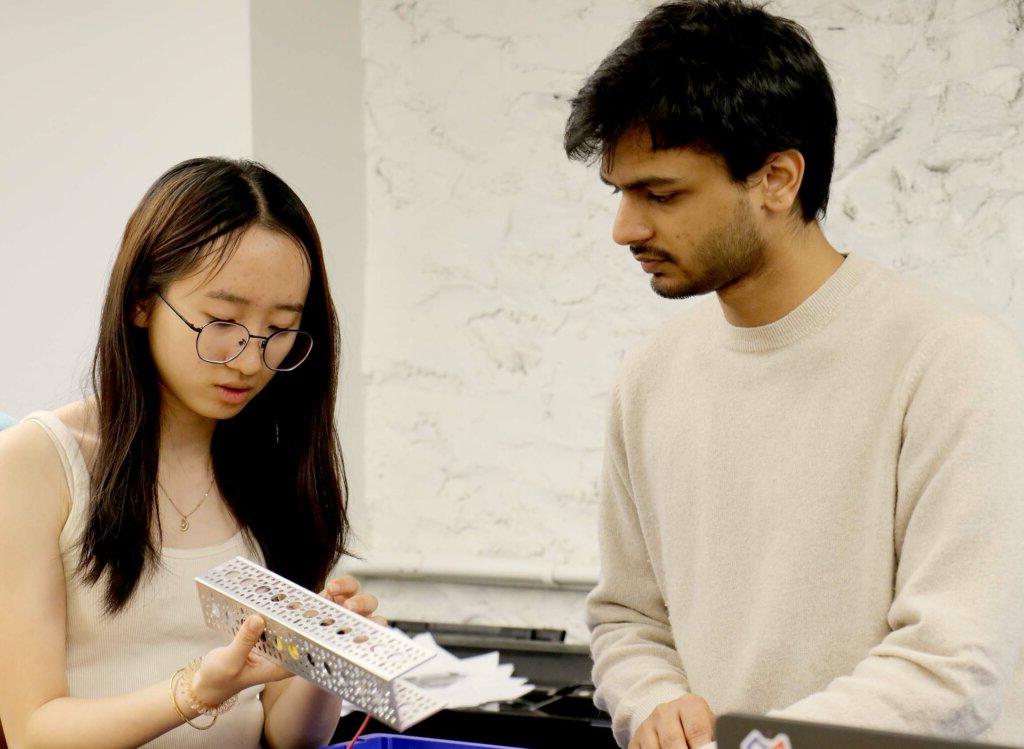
[(210, 435)]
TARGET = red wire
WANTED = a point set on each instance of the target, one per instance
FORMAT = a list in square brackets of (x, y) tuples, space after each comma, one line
[(359, 733)]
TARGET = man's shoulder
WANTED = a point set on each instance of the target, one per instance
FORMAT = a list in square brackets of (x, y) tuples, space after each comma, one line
[(921, 305), (930, 324)]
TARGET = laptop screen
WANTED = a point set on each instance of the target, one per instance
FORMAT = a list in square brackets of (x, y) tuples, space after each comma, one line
[(739, 731)]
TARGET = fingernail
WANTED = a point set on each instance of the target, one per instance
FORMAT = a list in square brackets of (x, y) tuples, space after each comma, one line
[(256, 622)]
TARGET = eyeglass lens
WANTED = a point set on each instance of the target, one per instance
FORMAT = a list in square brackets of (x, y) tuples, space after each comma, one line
[(221, 342)]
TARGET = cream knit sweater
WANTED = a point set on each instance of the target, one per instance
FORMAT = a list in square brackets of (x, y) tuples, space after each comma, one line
[(823, 516)]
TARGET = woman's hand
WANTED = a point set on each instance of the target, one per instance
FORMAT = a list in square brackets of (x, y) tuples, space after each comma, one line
[(236, 666), (228, 670), (345, 591)]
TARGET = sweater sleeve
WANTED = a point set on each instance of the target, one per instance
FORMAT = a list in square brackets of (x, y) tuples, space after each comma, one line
[(636, 666), (957, 616)]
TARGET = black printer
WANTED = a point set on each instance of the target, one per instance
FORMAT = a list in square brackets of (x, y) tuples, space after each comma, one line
[(559, 712)]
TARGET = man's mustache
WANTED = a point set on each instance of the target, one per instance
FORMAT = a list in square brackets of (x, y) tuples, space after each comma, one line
[(648, 251)]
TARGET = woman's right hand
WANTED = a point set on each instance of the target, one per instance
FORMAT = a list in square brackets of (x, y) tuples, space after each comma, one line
[(236, 666)]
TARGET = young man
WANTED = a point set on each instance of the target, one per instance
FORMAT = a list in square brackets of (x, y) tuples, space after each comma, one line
[(813, 496)]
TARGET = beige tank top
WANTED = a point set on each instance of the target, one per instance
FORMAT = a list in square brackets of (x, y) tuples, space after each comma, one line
[(158, 631)]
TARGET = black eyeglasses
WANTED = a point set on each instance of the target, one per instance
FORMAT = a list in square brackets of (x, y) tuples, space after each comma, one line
[(219, 341)]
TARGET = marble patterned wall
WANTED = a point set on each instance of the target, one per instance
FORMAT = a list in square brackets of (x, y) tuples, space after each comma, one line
[(497, 306)]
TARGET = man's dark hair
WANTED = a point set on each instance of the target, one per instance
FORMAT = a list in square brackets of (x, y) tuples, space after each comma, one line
[(720, 75)]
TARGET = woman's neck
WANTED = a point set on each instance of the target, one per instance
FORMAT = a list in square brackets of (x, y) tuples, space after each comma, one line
[(185, 436)]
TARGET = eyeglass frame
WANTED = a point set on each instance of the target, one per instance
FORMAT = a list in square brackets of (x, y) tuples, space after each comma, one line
[(264, 338)]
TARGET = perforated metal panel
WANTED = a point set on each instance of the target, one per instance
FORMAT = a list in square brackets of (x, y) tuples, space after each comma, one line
[(317, 639)]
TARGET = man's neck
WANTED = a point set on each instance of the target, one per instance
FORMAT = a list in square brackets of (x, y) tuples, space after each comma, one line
[(793, 269)]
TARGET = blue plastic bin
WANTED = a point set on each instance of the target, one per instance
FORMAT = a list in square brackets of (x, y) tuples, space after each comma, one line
[(391, 741)]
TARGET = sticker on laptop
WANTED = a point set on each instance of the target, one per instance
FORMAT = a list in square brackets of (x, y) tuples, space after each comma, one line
[(756, 740)]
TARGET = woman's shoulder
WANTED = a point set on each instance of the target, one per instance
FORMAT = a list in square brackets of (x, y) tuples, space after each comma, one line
[(30, 470), (81, 419)]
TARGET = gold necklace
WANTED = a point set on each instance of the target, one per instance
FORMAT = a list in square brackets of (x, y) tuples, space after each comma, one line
[(185, 516)]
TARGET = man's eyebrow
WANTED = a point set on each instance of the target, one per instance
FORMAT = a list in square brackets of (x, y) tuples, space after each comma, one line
[(643, 183), (227, 296)]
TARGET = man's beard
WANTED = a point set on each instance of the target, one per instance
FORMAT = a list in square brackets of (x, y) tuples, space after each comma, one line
[(725, 256)]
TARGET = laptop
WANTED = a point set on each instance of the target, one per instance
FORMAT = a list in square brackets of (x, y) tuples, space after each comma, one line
[(741, 731)]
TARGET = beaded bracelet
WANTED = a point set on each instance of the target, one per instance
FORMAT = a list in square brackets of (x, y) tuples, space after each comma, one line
[(199, 706), (174, 701)]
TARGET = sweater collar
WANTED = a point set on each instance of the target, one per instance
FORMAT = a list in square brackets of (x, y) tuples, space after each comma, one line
[(814, 313)]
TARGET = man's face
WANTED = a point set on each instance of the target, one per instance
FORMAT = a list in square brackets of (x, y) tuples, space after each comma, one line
[(682, 216)]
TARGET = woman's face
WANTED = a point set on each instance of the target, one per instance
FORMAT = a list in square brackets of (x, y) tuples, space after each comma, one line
[(262, 286)]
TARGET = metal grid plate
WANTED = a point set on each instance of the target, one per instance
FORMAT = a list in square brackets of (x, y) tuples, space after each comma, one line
[(340, 651)]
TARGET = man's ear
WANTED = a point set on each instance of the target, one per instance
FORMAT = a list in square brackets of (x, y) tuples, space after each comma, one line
[(781, 177)]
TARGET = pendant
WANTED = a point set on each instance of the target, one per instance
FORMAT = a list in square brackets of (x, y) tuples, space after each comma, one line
[(184, 525)]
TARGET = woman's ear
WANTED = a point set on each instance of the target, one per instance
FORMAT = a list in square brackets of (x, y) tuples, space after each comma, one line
[(140, 313)]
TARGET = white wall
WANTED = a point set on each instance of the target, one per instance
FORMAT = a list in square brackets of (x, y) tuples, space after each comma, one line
[(490, 303), (497, 306), (98, 100), (307, 124)]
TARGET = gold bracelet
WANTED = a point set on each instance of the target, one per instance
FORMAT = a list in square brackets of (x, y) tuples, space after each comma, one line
[(199, 706), (174, 701)]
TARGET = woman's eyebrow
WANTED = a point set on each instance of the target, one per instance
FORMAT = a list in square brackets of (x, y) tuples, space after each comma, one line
[(227, 296)]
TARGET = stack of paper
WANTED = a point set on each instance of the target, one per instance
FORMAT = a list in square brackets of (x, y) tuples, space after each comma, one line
[(462, 682), (465, 682)]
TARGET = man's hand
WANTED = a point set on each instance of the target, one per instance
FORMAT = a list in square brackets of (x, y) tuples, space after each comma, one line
[(685, 723)]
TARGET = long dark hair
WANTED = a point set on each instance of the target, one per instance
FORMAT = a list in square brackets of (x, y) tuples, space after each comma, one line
[(720, 75), (278, 463)]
